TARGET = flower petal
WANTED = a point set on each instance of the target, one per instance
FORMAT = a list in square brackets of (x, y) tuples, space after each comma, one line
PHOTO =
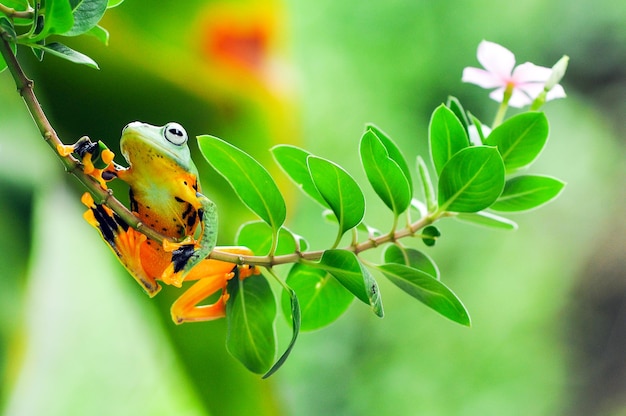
[(529, 72), (497, 95), (480, 77), (518, 98), (556, 92), (532, 89), (496, 59)]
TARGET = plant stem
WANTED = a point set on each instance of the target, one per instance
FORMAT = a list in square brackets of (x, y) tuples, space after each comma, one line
[(12, 13), (504, 105)]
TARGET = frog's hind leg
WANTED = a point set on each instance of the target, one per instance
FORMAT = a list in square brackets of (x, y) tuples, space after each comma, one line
[(212, 276), (125, 242)]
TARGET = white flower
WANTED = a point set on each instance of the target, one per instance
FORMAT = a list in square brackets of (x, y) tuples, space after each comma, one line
[(525, 81)]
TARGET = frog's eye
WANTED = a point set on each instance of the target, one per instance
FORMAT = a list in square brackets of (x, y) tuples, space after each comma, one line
[(175, 133)]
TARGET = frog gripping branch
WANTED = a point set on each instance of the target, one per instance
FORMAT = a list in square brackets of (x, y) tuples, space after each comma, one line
[(169, 235), (165, 195)]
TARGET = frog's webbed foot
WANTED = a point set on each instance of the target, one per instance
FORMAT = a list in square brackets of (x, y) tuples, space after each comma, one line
[(212, 276), (96, 158), (125, 242)]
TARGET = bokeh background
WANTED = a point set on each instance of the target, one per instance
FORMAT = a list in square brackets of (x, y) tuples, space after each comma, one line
[(78, 337)]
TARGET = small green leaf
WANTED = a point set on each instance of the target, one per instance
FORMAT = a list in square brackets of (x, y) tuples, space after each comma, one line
[(427, 185), (114, 3), (488, 219), (527, 192), (384, 174), (250, 313), (455, 106), (431, 292), (322, 298), (257, 236), (520, 139), (430, 235), (57, 19), (100, 33), (412, 258), (472, 180), (394, 152), (347, 269), (446, 136), (292, 160), (6, 25), (62, 51), (339, 190), (87, 14), (480, 129), (250, 181), (295, 328)]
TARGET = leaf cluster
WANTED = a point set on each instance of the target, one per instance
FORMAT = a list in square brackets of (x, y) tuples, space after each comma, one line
[(34, 24), (474, 180)]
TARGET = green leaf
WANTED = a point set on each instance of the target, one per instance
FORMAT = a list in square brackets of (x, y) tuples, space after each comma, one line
[(99, 33), (427, 185), (62, 51), (339, 190), (384, 174), (455, 106), (446, 136), (250, 181), (520, 139), (472, 180), (488, 219), (292, 160), (527, 192), (347, 269), (412, 258), (57, 19), (322, 298), (87, 14), (257, 236), (394, 152), (431, 292), (250, 313), (6, 25), (479, 129), (114, 3), (295, 328), (430, 235)]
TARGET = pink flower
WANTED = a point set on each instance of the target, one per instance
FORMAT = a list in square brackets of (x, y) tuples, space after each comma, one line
[(527, 80)]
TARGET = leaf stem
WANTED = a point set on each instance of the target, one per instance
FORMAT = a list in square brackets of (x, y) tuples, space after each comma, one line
[(504, 105), (12, 13), (312, 256)]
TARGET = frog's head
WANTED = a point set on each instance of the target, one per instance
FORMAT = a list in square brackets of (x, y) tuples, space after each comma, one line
[(169, 142)]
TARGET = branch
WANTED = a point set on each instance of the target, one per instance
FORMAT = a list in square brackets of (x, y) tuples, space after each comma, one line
[(72, 165), (12, 13), (103, 196)]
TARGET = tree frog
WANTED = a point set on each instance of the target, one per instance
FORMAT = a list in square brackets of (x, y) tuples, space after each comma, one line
[(165, 195)]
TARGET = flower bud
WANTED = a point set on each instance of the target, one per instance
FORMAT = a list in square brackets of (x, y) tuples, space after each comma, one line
[(558, 71)]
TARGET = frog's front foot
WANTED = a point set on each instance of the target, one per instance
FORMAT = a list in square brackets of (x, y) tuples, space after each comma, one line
[(96, 158)]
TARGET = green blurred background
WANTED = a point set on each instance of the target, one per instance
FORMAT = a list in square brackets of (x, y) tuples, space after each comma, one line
[(547, 301)]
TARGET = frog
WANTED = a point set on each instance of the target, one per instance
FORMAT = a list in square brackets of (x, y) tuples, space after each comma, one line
[(165, 195)]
